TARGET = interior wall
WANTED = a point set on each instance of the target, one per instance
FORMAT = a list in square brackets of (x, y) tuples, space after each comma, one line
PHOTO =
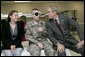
[(62, 6)]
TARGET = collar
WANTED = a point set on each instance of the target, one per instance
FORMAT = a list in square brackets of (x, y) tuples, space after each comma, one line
[(57, 18)]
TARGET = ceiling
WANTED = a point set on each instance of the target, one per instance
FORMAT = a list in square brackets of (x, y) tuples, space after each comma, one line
[(37, 1)]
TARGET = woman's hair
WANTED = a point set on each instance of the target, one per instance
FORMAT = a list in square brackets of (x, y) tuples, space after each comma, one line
[(10, 14), (23, 18)]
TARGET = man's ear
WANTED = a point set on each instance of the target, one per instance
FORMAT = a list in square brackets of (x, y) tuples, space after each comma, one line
[(55, 12)]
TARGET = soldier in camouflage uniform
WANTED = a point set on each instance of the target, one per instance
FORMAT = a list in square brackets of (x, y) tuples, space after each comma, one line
[(36, 35)]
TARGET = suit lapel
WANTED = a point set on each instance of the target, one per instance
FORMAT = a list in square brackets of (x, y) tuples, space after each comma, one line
[(54, 26), (61, 21)]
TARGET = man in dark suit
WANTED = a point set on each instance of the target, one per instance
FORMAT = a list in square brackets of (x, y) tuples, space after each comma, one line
[(59, 34)]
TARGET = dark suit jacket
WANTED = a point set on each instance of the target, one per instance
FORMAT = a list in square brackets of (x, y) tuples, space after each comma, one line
[(6, 35), (55, 34)]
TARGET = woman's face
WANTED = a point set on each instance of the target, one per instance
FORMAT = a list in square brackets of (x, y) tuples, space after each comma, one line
[(14, 17)]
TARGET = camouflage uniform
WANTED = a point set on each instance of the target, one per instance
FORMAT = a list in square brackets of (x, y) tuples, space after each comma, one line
[(35, 37)]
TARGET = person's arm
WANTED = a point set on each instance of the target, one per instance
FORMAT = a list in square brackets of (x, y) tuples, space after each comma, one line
[(44, 32), (4, 35), (29, 35), (50, 35), (77, 27)]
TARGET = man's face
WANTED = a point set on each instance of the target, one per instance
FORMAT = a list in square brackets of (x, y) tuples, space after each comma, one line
[(36, 15), (50, 13)]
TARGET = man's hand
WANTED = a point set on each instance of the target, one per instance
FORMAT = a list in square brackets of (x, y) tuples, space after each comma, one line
[(40, 29), (12, 48), (60, 48), (80, 44), (40, 45)]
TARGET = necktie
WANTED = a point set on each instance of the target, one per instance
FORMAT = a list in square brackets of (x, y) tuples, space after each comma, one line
[(58, 26)]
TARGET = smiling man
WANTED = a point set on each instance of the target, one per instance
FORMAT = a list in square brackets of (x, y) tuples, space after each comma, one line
[(59, 34), (36, 34)]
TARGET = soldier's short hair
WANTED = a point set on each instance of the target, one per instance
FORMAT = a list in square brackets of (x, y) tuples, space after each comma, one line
[(54, 8), (34, 9)]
